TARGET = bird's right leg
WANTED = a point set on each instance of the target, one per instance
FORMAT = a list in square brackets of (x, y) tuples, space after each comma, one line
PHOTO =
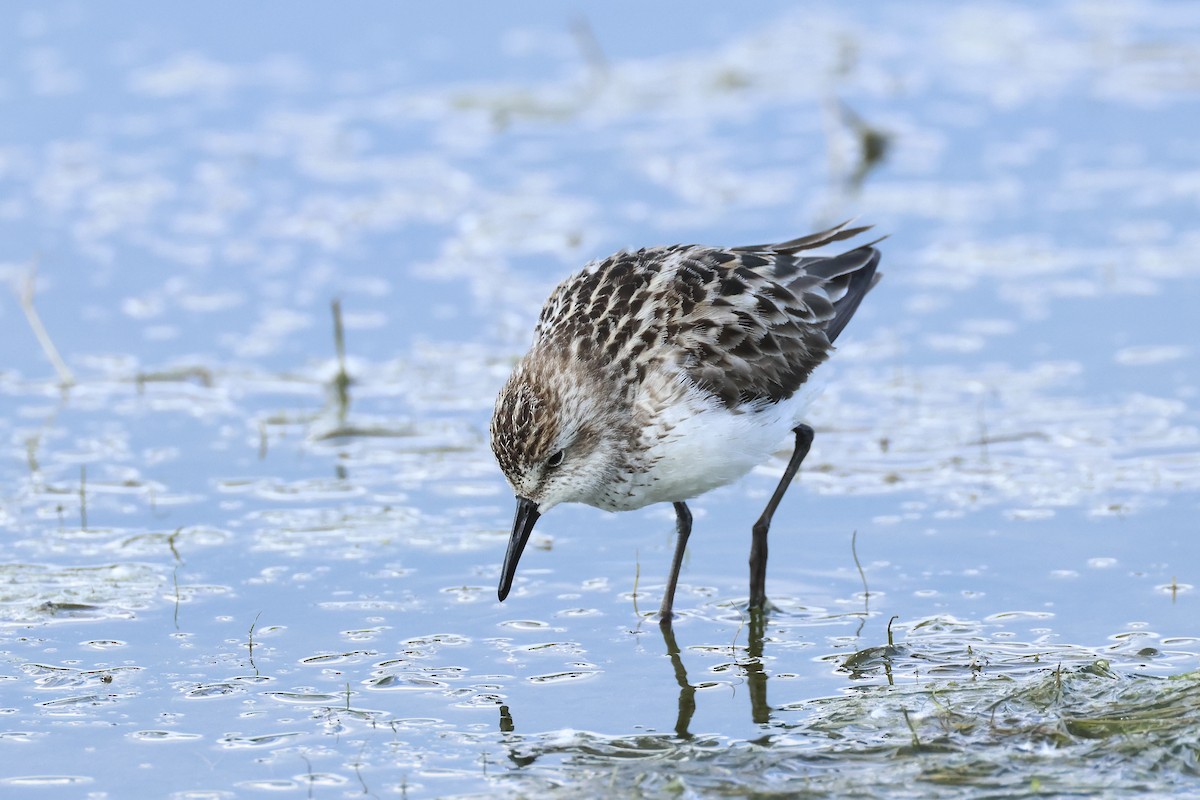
[(683, 529), (758, 545)]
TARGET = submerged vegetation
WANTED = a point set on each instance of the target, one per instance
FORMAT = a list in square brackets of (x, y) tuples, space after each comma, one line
[(1063, 731)]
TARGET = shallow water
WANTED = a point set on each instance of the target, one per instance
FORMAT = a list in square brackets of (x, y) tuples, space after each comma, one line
[(222, 575)]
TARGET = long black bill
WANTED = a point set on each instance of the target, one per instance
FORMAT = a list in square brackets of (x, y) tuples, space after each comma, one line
[(527, 517)]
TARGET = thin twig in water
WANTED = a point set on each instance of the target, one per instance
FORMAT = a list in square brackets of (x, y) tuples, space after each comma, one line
[(171, 544), (312, 779), (863, 576), (358, 771), (25, 295), (857, 563), (341, 381), (175, 578), (637, 575), (83, 496), (916, 740), (34, 442), (983, 430), (736, 634), (339, 335), (31, 448), (589, 46), (250, 643)]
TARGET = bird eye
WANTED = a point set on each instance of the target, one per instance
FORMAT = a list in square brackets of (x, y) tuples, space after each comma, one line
[(554, 460)]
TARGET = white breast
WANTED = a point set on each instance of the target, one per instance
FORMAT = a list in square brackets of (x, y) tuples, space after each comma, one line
[(698, 444)]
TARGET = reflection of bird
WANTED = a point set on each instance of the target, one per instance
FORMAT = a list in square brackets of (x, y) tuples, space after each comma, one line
[(660, 374)]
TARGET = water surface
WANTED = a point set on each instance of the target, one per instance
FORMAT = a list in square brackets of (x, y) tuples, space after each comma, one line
[(223, 575)]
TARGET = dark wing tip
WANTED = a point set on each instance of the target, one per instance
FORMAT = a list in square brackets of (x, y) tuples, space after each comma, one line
[(861, 280), (837, 233)]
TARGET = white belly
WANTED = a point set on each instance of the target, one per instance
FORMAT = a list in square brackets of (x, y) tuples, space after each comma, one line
[(706, 446)]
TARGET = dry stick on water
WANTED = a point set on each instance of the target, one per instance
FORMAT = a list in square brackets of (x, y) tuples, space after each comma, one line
[(863, 575), (175, 578), (637, 574), (175, 573), (171, 544), (25, 296), (888, 653), (341, 381), (857, 563), (983, 430), (589, 46), (916, 740), (358, 770), (312, 778), (736, 634), (34, 442), (31, 448), (250, 643), (873, 146), (83, 496)]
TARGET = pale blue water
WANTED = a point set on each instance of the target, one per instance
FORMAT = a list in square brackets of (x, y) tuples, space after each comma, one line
[(1010, 426)]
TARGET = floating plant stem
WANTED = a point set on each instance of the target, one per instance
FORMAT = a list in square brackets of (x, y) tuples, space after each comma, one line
[(171, 544), (262, 440), (863, 576), (589, 47), (310, 776), (250, 642), (175, 579), (25, 296), (637, 575), (358, 770), (341, 382), (916, 740), (83, 496), (873, 146), (858, 564)]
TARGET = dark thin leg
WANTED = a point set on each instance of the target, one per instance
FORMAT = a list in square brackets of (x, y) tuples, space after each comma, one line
[(758, 546), (683, 529)]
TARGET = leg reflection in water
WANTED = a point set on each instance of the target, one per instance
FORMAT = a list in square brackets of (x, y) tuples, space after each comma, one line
[(687, 692), (756, 676), (752, 669)]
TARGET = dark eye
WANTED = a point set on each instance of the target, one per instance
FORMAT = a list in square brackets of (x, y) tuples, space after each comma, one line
[(554, 460)]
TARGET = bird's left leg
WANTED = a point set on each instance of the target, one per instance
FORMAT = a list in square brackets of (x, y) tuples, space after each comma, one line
[(758, 546), (683, 526)]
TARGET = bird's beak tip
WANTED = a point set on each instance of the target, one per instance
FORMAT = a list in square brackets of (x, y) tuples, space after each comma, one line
[(526, 516)]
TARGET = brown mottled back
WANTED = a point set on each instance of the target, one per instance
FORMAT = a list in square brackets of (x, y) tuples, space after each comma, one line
[(748, 324)]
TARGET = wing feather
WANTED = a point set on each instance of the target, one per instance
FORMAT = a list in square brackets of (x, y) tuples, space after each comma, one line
[(748, 324)]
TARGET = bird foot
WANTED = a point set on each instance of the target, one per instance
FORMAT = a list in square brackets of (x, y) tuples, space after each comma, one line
[(763, 607)]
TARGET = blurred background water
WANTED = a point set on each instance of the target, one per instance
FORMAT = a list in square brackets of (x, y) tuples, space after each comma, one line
[(225, 571)]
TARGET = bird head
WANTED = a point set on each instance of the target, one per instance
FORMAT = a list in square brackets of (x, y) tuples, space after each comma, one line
[(555, 440)]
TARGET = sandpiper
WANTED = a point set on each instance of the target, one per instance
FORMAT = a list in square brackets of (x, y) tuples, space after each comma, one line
[(658, 374)]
